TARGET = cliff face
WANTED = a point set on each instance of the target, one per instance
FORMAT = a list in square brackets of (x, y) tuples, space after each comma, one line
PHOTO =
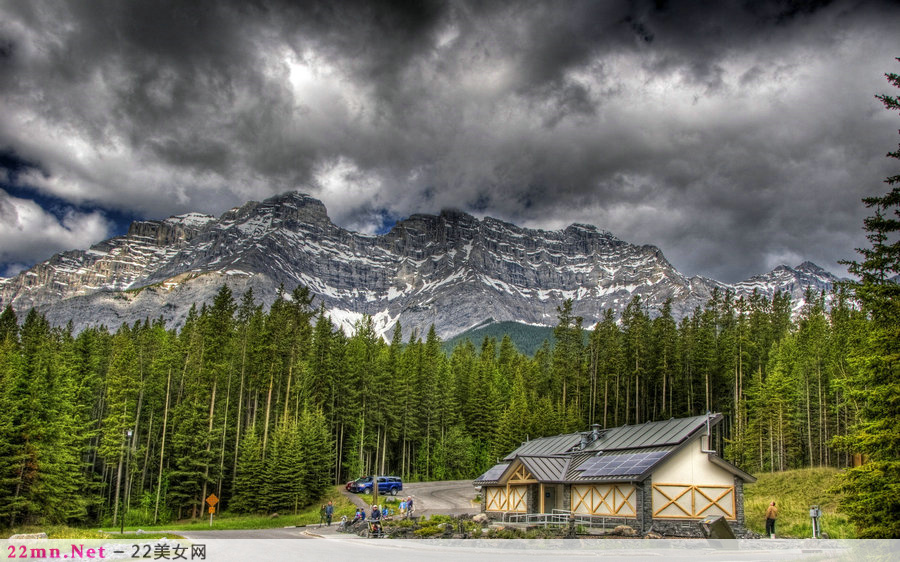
[(451, 270)]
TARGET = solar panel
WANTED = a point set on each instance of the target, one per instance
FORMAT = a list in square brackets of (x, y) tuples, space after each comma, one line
[(619, 465)]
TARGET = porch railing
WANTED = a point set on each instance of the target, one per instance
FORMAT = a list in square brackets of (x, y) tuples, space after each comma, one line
[(564, 518)]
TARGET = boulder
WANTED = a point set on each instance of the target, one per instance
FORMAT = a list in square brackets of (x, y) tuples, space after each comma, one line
[(481, 519), (28, 537), (624, 531)]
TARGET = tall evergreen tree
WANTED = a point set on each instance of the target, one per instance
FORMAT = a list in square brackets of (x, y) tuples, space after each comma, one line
[(872, 491)]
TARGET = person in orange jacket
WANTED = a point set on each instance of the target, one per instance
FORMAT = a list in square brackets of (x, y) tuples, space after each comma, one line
[(771, 516)]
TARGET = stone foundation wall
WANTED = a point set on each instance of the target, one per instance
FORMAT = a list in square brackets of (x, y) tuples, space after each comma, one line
[(644, 505), (739, 501), (691, 528), (533, 498)]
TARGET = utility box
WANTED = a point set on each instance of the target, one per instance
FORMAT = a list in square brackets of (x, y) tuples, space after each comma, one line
[(815, 514), (715, 527)]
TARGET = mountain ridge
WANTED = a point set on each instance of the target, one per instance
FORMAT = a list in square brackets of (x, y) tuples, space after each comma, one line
[(452, 270)]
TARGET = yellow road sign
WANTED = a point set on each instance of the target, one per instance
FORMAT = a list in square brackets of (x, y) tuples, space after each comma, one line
[(212, 500)]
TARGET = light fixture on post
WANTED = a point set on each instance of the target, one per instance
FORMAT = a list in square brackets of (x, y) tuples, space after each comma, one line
[(128, 434)]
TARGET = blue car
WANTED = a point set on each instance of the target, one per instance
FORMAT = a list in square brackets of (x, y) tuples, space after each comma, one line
[(386, 485)]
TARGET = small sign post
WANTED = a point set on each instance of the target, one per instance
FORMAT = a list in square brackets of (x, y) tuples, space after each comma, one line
[(212, 500)]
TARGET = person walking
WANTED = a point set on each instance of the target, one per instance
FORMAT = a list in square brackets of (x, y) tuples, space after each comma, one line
[(771, 516), (322, 515), (329, 512)]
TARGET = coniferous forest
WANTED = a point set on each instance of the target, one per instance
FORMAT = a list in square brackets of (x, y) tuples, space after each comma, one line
[(266, 409)]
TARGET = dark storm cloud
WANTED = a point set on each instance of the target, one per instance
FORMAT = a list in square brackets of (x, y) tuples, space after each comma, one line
[(733, 135)]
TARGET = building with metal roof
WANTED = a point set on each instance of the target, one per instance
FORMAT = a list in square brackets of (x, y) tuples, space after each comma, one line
[(660, 476)]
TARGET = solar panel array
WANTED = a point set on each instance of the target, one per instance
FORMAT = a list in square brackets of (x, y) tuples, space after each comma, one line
[(619, 465)]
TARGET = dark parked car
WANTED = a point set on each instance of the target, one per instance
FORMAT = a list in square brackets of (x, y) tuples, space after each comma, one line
[(386, 485)]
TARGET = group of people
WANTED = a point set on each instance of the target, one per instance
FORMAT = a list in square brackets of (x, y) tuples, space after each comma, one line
[(406, 507), (378, 514), (326, 513)]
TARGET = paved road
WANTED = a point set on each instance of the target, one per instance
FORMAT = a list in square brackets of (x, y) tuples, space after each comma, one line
[(278, 533), (451, 497)]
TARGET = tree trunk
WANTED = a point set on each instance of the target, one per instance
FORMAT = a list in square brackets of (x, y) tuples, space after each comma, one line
[(146, 454), (221, 475), (268, 408), (237, 433), (212, 407), (162, 449)]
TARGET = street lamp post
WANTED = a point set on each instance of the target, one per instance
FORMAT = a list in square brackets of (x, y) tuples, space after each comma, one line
[(127, 459)]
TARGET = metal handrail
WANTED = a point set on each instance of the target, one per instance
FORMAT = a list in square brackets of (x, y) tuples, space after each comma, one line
[(564, 517)]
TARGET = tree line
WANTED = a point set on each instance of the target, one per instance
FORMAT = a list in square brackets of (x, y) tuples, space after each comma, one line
[(267, 408)]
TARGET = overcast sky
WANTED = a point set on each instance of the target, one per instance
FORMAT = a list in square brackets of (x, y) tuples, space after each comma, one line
[(735, 136)]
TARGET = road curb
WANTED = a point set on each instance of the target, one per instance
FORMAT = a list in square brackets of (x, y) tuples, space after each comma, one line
[(311, 534)]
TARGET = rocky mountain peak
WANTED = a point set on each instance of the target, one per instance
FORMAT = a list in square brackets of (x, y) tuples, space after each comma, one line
[(451, 270), (811, 268)]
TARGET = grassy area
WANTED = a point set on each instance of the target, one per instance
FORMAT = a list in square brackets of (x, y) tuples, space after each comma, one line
[(794, 492), (65, 532), (308, 516)]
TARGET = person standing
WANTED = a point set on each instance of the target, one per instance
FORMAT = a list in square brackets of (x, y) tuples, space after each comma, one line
[(771, 516), (329, 512), (322, 515)]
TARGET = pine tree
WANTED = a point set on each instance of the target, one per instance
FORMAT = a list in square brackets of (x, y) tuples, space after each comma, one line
[(665, 340), (606, 354), (635, 328), (872, 491), (14, 458), (514, 423), (248, 482), (316, 455), (568, 360), (284, 470), (9, 327)]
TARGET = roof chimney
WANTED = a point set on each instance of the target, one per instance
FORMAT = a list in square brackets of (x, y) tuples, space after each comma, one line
[(585, 439), (595, 431)]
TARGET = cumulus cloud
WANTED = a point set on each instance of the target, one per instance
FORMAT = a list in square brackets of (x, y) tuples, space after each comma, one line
[(27, 230), (730, 135)]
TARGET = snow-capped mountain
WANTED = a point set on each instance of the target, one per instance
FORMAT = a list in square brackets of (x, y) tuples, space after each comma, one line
[(452, 270)]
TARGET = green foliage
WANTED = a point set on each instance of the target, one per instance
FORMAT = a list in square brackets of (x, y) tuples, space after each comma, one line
[(794, 492), (871, 497), (526, 338)]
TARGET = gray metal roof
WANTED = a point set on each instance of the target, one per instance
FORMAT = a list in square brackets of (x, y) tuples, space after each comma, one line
[(627, 451), (650, 434), (547, 469), (492, 476), (546, 446)]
